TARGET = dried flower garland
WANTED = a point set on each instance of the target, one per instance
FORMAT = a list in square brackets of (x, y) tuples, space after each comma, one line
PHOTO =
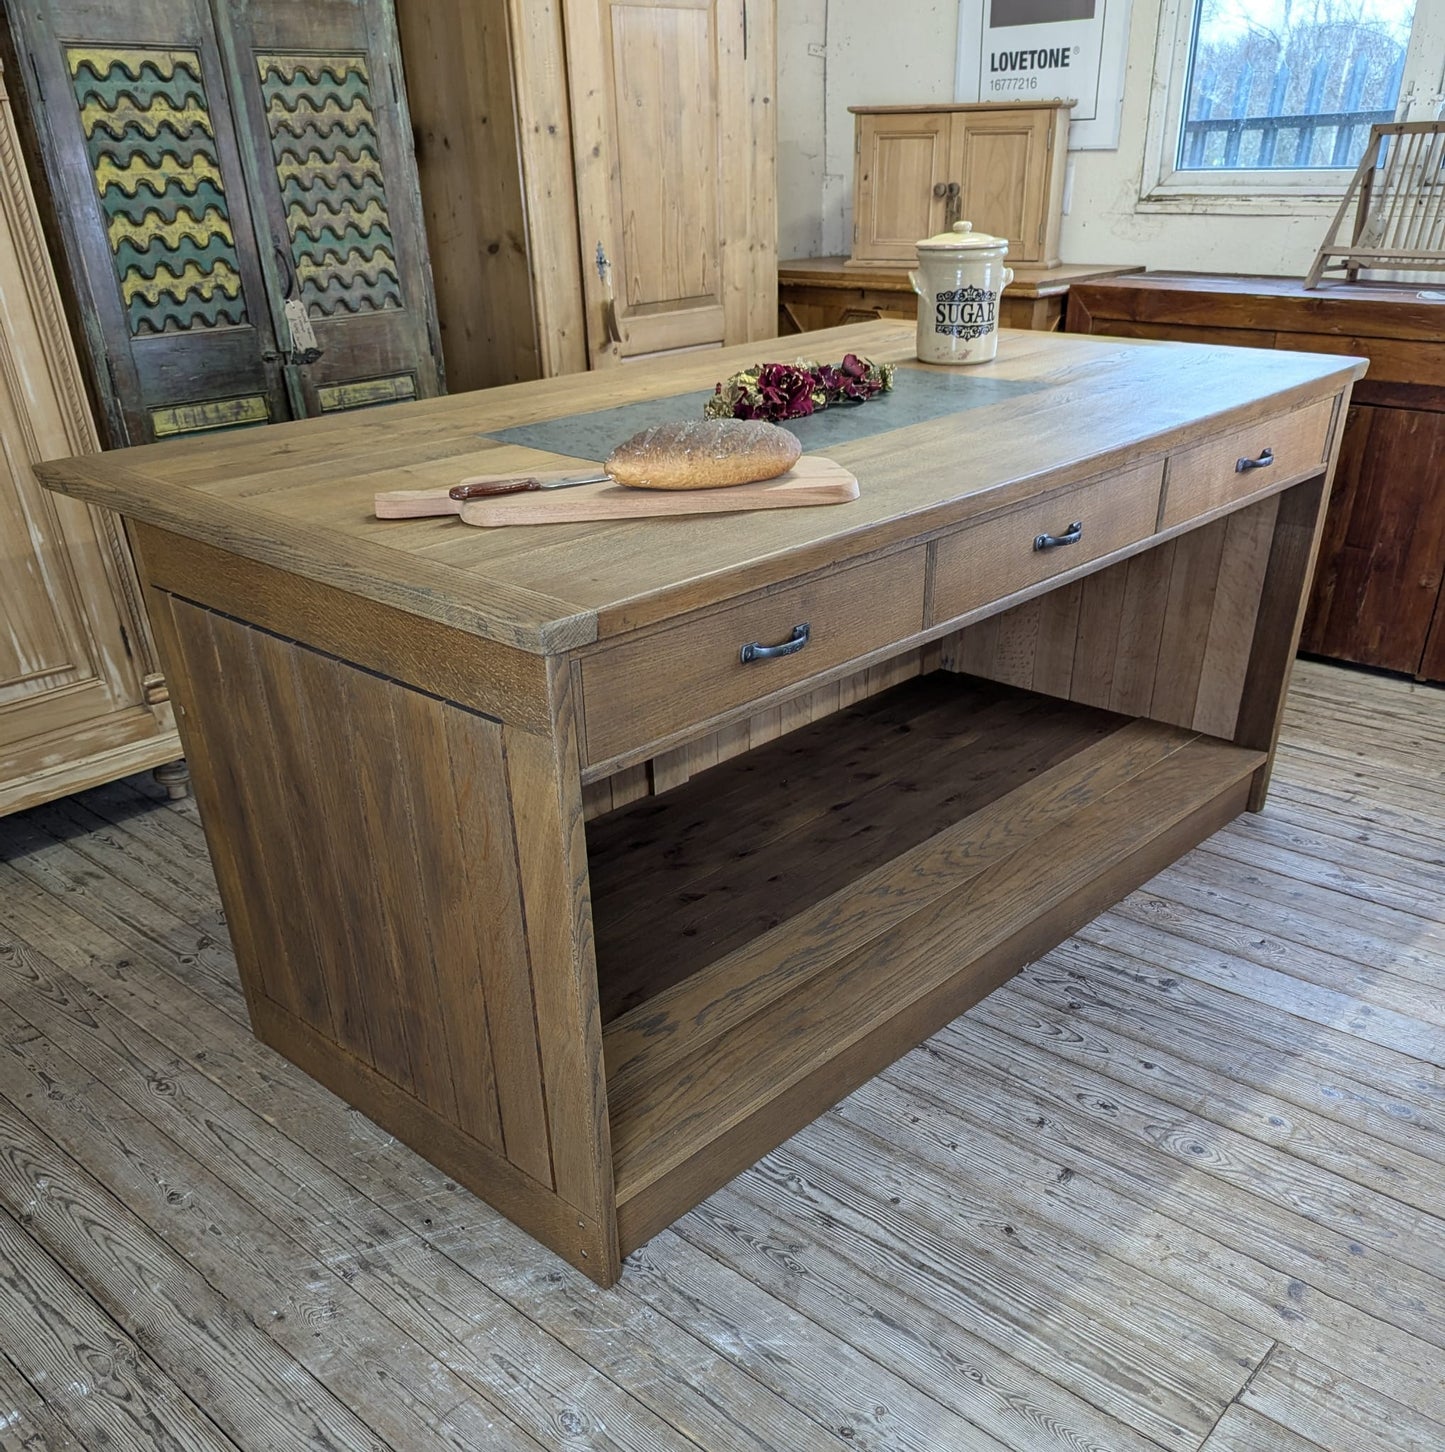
[(778, 391)]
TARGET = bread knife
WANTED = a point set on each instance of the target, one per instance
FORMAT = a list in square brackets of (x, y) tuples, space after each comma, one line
[(521, 485)]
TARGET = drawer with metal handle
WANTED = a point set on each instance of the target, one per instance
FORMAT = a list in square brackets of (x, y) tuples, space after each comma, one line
[(1249, 461), (650, 686), (1031, 545)]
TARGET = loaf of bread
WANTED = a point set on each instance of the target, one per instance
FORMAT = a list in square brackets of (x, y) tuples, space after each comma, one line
[(707, 453)]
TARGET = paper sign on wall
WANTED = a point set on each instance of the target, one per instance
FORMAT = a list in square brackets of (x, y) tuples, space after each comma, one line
[(1042, 50)]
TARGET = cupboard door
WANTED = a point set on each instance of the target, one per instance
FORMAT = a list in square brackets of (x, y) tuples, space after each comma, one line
[(317, 90), (135, 131), (674, 141), (1381, 564), (903, 171), (1432, 663), (70, 682), (1002, 161)]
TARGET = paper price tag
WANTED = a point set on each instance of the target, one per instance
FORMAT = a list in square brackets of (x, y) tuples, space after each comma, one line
[(303, 335)]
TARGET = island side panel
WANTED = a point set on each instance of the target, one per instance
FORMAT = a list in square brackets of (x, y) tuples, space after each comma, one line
[(545, 794), (1284, 598), (405, 880)]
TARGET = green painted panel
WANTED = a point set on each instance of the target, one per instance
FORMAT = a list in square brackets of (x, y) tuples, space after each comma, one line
[(328, 161), (152, 148)]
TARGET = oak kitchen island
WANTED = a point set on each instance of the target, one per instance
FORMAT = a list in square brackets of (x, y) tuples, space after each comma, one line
[(520, 857)]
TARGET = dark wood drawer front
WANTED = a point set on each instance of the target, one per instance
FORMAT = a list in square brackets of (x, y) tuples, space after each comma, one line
[(645, 689), (998, 558), (1246, 462)]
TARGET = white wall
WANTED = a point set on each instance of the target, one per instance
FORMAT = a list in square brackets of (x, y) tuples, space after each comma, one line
[(801, 24), (866, 53), (903, 51)]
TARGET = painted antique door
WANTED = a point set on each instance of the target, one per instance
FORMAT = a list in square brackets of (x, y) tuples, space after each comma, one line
[(145, 174), (673, 126), (326, 141), (211, 162)]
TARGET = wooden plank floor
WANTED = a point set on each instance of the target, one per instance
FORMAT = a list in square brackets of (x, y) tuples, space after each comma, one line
[(1178, 1186)]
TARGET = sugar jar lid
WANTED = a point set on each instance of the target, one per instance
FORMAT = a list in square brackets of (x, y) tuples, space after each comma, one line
[(962, 236)]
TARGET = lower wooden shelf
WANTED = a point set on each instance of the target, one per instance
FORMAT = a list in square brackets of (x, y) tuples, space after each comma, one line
[(779, 929)]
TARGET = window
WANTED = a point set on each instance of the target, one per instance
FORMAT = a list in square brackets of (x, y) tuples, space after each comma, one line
[(1258, 100), (1281, 85)]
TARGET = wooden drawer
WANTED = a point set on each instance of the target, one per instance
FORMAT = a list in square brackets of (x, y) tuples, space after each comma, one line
[(997, 558), (645, 689), (1208, 476)]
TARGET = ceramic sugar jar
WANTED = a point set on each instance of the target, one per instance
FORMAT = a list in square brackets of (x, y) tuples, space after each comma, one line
[(960, 277)]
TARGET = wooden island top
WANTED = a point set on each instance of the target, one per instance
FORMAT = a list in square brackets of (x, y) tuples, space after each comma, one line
[(298, 495), (469, 885)]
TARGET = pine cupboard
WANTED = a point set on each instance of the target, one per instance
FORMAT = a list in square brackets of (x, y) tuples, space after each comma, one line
[(81, 696), (919, 169), (598, 178)]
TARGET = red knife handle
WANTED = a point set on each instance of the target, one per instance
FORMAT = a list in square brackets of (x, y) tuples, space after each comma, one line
[(487, 491)]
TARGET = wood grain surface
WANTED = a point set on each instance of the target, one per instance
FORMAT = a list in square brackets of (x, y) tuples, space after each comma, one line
[(1201, 479), (299, 495), (1005, 1240), (1165, 634), (81, 696), (390, 925), (1004, 162), (669, 902), (423, 922), (1000, 557), (1378, 590), (465, 116), (1029, 283), (640, 690), (811, 481), (712, 1098)]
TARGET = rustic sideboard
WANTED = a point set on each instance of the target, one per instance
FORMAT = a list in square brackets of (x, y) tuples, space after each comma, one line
[(1377, 596), (825, 292)]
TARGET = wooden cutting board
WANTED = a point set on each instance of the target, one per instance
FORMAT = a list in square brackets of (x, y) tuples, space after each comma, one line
[(812, 480)]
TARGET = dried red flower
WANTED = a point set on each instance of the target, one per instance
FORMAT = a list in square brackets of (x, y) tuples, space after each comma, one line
[(780, 391)]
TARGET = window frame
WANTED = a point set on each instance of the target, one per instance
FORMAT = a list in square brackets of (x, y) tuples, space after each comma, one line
[(1283, 192)]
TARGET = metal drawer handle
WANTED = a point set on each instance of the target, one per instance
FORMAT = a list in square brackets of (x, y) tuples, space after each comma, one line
[(1243, 466), (1072, 535), (791, 646)]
